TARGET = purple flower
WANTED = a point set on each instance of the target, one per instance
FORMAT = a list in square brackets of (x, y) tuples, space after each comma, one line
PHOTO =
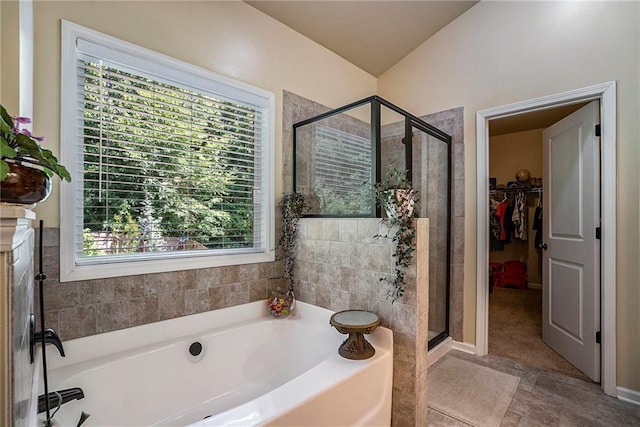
[(21, 119), (24, 120)]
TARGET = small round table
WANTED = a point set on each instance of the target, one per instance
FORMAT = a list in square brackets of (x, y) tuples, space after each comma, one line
[(355, 323)]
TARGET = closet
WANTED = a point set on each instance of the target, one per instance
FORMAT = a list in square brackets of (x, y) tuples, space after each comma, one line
[(516, 196)]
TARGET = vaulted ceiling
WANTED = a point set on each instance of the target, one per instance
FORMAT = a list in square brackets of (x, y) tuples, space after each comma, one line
[(374, 35)]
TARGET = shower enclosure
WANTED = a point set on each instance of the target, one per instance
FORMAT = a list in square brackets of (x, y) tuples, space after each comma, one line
[(339, 154)]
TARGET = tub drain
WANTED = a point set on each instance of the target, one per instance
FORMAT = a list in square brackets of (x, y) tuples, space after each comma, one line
[(195, 349)]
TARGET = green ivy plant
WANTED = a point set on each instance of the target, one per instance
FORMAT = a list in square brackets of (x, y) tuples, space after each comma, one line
[(21, 147), (292, 206), (400, 208)]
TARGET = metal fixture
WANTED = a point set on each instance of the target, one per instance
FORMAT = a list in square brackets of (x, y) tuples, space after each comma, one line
[(49, 336), (59, 398)]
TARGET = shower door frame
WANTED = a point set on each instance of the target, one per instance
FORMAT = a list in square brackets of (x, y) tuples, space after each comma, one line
[(410, 121)]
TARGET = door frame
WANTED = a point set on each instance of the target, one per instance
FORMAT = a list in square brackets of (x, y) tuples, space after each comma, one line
[(606, 94)]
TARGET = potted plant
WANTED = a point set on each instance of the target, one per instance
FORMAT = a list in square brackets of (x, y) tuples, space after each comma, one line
[(291, 205), (25, 166), (396, 194)]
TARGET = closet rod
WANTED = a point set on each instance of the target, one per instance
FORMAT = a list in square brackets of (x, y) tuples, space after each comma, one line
[(517, 190)]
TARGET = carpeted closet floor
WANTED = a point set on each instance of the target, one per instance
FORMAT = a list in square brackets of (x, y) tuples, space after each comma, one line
[(515, 331)]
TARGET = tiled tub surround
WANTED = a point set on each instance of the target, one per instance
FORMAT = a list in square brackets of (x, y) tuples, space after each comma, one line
[(82, 308), (339, 264)]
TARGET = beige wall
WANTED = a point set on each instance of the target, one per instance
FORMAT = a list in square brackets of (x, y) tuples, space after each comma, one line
[(507, 154), (502, 52), (230, 38)]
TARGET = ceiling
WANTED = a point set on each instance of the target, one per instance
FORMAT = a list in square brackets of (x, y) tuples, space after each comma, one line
[(531, 120), (374, 35)]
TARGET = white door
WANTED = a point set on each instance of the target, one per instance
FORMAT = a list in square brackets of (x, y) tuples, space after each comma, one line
[(571, 259)]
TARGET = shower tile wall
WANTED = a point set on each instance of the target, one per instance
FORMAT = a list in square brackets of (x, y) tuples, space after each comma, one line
[(339, 266), (89, 307), (452, 123), (429, 170)]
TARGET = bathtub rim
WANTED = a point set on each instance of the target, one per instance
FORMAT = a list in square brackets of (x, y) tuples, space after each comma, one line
[(114, 342)]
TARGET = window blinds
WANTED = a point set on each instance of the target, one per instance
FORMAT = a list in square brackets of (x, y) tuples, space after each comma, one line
[(164, 167)]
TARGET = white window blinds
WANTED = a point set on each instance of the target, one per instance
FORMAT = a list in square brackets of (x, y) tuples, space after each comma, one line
[(167, 164)]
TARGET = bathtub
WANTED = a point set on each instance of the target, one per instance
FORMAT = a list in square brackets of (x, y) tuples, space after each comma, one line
[(253, 370)]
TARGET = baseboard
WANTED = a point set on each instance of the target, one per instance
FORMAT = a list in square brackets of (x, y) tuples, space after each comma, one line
[(438, 351), (534, 285), (464, 347), (628, 395)]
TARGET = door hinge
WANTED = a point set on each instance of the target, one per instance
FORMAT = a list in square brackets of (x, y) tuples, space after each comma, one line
[(598, 337), (598, 130), (598, 233)]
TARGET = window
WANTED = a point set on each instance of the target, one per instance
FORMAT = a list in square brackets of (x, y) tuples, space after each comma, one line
[(342, 167), (171, 164)]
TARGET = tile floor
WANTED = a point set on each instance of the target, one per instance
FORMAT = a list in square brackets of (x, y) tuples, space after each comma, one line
[(546, 398)]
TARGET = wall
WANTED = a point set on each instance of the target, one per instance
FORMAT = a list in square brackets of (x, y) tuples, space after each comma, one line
[(230, 38), (507, 154), (503, 52)]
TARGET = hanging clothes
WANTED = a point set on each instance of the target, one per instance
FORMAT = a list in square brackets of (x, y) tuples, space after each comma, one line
[(507, 223), (537, 225), (495, 242), (520, 216)]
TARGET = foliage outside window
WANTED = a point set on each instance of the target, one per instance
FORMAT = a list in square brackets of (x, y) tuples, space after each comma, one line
[(171, 165)]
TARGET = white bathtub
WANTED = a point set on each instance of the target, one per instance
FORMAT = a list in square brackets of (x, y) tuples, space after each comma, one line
[(254, 370)]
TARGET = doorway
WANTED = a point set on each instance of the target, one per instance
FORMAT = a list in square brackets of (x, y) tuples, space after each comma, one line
[(606, 94), (516, 170)]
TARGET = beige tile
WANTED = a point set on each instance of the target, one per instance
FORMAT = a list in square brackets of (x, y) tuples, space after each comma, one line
[(60, 295), (367, 229), (143, 310), (218, 297), (76, 322), (347, 230), (248, 273), (238, 294), (403, 407), (331, 229), (111, 316), (208, 277), (314, 228), (258, 290), (170, 305), (128, 287), (96, 291), (229, 274), (196, 301)]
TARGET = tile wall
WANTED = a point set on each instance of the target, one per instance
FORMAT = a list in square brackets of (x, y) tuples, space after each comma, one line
[(82, 308), (340, 264)]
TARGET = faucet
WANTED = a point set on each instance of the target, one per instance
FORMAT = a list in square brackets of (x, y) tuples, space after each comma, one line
[(59, 398), (50, 337)]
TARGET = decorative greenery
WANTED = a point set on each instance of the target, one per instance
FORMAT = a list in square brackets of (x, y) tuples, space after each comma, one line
[(396, 194), (291, 206), (21, 147)]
